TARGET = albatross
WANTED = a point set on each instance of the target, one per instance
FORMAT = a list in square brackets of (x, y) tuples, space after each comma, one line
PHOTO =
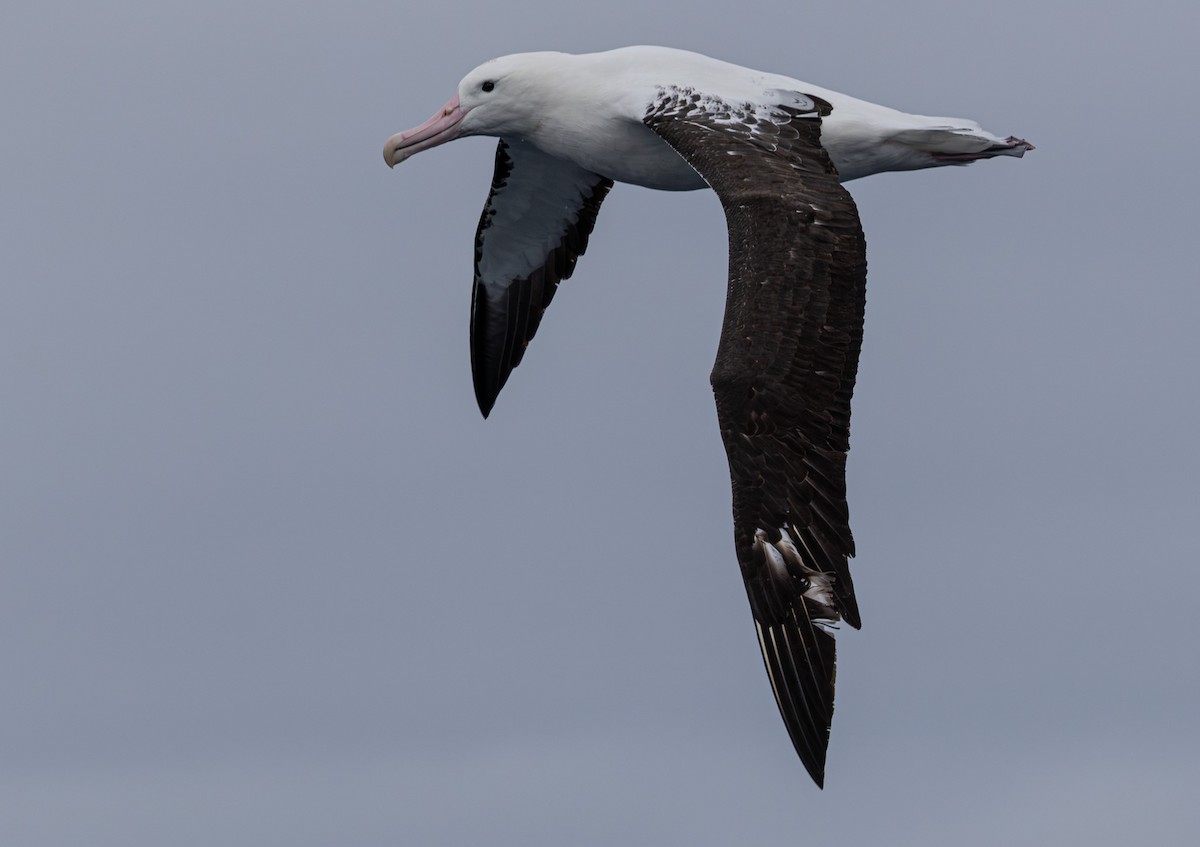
[(775, 151)]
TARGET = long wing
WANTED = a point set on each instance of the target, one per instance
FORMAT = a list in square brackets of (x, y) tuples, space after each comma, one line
[(783, 378), (536, 223)]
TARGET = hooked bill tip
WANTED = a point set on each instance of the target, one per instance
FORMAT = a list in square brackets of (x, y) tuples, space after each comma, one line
[(442, 127)]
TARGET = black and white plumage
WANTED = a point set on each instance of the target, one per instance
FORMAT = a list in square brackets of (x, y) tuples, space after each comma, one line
[(783, 378), (515, 281), (775, 151)]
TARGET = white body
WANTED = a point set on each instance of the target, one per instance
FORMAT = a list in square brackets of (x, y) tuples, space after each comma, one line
[(570, 120), (588, 109)]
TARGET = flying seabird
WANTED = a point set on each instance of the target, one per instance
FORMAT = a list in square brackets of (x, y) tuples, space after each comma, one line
[(775, 150)]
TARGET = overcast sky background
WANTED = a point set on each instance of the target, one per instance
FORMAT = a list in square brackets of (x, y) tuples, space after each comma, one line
[(268, 577)]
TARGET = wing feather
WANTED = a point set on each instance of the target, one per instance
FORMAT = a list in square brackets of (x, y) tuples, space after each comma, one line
[(539, 214), (783, 379)]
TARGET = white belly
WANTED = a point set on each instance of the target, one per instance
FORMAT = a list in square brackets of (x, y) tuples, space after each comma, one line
[(657, 166), (631, 153)]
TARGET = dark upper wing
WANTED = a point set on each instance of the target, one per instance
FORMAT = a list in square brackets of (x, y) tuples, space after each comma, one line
[(783, 378), (536, 223)]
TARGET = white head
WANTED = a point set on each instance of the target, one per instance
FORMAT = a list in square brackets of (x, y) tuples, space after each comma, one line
[(501, 97)]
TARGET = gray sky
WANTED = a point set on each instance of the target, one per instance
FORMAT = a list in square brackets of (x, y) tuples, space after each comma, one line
[(268, 578)]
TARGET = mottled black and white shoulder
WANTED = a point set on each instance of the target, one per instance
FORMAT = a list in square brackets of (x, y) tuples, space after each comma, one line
[(783, 377), (539, 214), (754, 121)]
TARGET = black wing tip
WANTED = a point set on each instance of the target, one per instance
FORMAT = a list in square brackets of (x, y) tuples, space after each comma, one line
[(490, 367), (800, 660), (485, 397), (813, 758)]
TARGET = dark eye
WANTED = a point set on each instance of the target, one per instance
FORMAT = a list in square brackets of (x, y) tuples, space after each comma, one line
[(489, 85)]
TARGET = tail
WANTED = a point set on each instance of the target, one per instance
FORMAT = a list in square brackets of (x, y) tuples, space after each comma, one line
[(960, 145)]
